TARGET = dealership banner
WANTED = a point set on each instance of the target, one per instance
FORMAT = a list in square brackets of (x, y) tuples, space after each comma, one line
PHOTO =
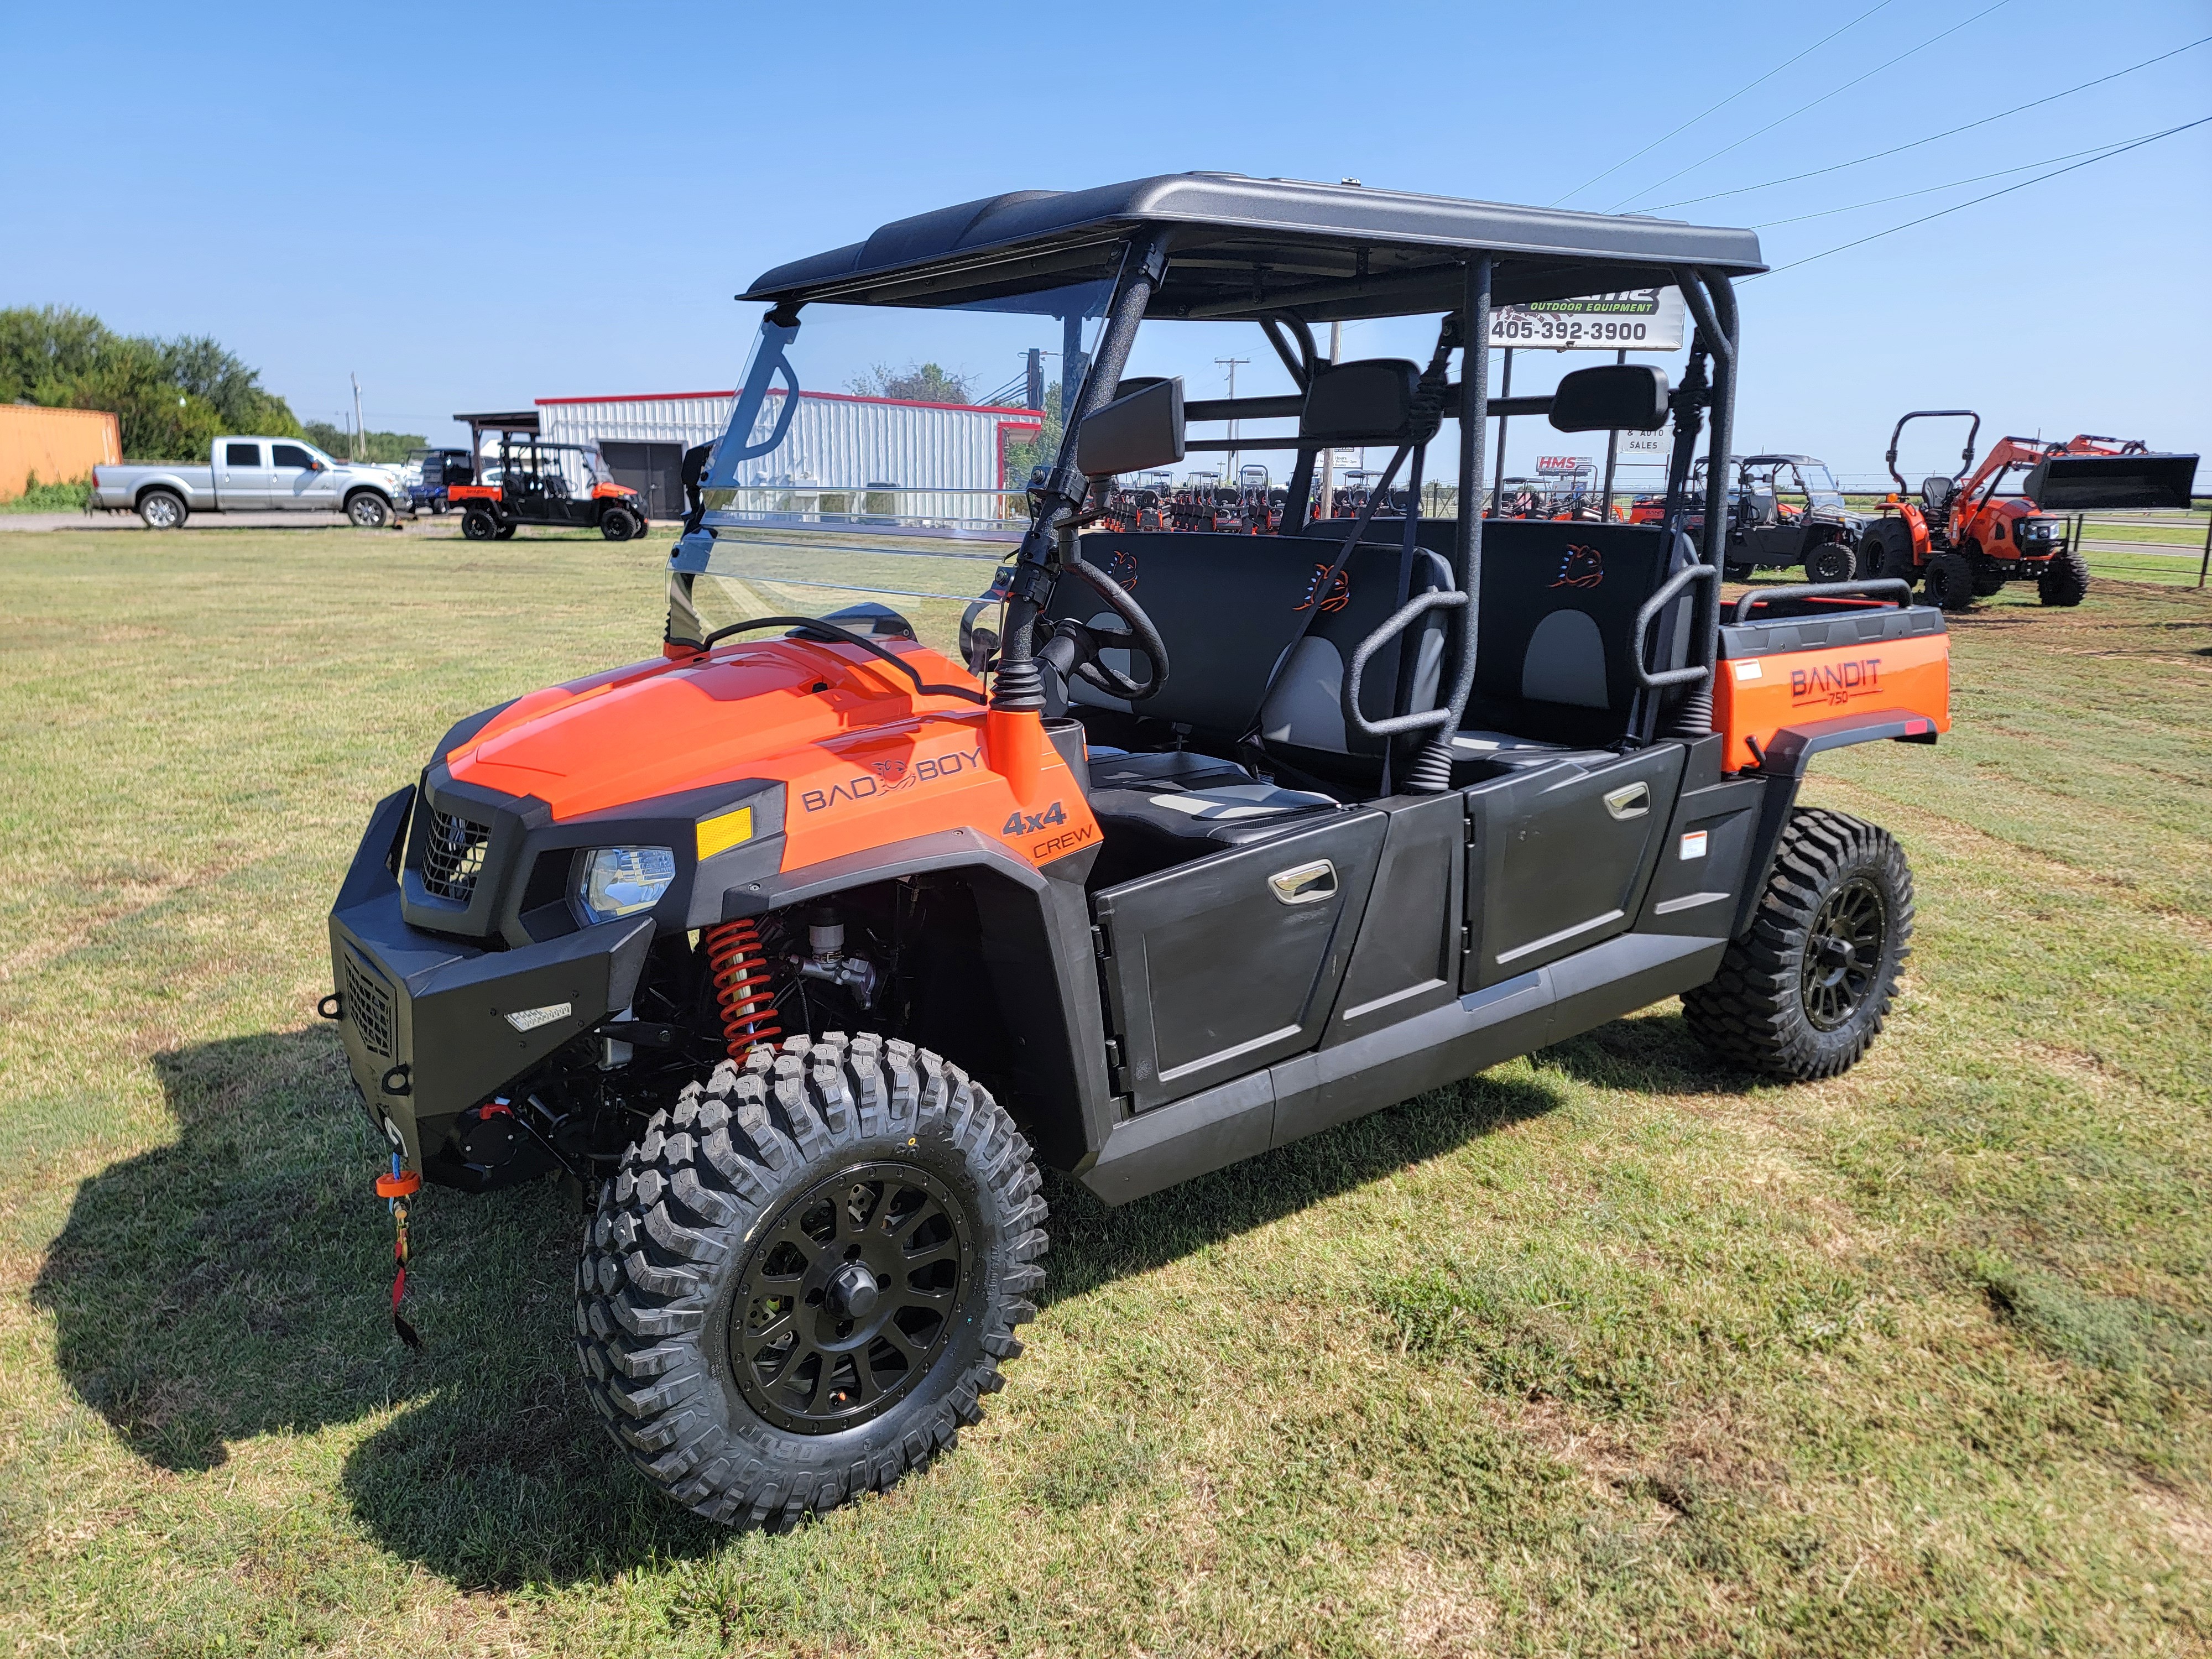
[(1635, 319)]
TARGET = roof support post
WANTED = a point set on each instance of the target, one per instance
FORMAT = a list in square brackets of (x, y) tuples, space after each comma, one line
[(1430, 772), (1018, 688), (1712, 300)]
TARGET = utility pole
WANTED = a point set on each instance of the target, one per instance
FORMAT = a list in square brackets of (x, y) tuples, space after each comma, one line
[(357, 439), (1329, 456), (1231, 363)]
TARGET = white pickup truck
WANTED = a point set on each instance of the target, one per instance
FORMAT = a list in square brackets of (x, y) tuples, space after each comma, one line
[(250, 475)]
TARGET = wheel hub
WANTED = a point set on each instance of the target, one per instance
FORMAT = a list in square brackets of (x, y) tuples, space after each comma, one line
[(1843, 953), (849, 1297)]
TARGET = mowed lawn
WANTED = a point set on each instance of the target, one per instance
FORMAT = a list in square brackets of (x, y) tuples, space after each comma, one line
[(1604, 1351)]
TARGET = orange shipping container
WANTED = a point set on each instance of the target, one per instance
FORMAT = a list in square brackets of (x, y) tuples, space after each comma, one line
[(58, 446)]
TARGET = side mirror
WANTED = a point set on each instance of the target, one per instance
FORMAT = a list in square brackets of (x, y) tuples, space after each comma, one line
[(1616, 397), (1132, 434)]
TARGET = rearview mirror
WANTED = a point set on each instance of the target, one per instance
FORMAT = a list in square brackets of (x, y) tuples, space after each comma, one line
[(1616, 397), (1132, 434)]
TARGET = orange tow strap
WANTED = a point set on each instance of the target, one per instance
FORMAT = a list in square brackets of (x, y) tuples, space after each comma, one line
[(397, 1188)]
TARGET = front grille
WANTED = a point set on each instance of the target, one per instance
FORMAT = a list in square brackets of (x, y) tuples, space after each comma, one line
[(453, 855), (368, 1005)]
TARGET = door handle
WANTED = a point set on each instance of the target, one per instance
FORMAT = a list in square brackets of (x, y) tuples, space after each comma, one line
[(1631, 800), (1304, 883)]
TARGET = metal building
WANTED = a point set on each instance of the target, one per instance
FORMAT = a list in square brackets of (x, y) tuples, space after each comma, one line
[(945, 462)]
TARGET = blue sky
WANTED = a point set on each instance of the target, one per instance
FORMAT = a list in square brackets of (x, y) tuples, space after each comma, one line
[(472, 207)]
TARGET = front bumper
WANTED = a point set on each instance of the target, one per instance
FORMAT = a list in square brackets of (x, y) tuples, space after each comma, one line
[(426, 1019)]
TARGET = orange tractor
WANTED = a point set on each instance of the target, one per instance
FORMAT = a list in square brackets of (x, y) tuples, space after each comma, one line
[(1966, 541)]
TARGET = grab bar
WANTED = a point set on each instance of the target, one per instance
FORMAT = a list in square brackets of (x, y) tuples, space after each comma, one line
[(1442, 599), (1667, 590)]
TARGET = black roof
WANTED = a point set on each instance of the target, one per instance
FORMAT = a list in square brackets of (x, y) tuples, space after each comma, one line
[(1245, 247)]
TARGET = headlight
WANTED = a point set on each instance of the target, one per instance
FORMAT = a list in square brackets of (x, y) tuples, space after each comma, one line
[(620, 881)]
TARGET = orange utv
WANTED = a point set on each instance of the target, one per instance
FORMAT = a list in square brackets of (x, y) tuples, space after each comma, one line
[(950, 839)]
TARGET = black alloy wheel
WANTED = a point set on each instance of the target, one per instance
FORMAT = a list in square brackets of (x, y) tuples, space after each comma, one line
[(619, 524), (477, 525), (1843, 952), (806, 1274), (1805, 991), (847, 1300)]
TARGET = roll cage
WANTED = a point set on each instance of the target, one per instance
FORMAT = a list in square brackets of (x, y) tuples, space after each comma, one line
[(1285, 255)]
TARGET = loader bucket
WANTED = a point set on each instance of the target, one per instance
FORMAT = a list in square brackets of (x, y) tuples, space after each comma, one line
[(2073, 484)]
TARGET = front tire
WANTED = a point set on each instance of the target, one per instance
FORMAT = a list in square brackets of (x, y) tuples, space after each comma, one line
[(1805, 991), (163, 509), (1950, 581), (806, 1274), (2065, 582), (619, 524), (368, 510)]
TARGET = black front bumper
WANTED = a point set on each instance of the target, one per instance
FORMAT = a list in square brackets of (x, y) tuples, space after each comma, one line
[(433, 1026)]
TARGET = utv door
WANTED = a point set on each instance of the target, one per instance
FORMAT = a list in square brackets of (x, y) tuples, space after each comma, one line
[(1558, 857), (1219, 967)]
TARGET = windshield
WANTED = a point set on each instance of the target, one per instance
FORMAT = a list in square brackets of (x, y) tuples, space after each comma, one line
[(887, 459), (1821, 484)]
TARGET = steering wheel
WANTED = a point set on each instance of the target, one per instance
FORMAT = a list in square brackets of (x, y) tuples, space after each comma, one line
[(1142, 635)]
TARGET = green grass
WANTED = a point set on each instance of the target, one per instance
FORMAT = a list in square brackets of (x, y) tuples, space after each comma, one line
[(1603, 1350), (49, 498)]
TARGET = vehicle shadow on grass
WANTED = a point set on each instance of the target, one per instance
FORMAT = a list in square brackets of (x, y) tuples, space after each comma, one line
[(233, 1285)]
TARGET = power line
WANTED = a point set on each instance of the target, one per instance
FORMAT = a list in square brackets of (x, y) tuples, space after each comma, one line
[(1832, 93), (1724, 102), (1961, 206), (1929, 189), (1951, 132)]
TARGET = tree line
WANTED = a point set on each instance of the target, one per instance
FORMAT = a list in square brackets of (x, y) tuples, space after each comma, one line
[(171, 396)]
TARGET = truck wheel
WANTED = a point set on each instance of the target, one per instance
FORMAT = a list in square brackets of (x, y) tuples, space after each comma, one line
[(619, 524), (163, 509), (806, 1274), (2065, 581), (1831, 561), (478, 525), (368, 510), (1950, 581), (1803, 993)]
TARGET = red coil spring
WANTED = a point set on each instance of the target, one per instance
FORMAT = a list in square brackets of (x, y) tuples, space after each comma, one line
[(738, 968)]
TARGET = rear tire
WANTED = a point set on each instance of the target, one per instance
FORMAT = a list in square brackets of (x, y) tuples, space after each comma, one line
[(1950, 581), (619, 524), (747, 1324), (2066, 581), (477, 525), (163, 509), (1831, 561), (368, 510), (1805, 991)]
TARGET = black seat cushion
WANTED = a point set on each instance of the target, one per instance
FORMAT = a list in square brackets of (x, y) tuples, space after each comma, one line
[(1159, 809), (1555, 655)]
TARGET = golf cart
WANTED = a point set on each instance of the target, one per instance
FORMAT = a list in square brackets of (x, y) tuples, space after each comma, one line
[(538, 482), (917, 858), (429, 473), (1788, 510)]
